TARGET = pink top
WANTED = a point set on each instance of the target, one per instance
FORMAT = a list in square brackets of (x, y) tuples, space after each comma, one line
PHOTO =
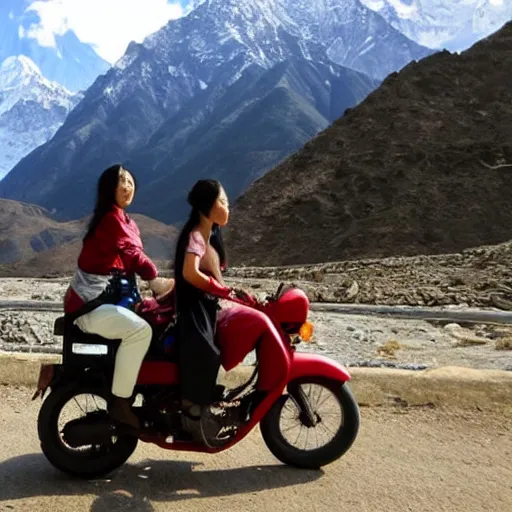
[(196, 244)]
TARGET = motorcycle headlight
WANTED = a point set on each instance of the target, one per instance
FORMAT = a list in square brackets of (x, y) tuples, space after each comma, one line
[(306, 331)]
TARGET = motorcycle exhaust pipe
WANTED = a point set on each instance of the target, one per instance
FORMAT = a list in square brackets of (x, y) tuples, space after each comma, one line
[(83, 432)]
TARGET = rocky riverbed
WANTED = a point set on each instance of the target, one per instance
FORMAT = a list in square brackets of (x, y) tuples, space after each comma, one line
[(479, 277), (351, 339)]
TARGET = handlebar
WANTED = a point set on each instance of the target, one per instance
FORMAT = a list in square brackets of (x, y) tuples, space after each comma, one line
[(252, 302)]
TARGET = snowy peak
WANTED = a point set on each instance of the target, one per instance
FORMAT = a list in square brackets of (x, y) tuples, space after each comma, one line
[(32, 109), (490, 16), (15, 67), (269, 31), (21, 80), (455, 25)]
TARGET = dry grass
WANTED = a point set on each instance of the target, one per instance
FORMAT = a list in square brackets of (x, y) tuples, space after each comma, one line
[(504, 344), (389, 349)]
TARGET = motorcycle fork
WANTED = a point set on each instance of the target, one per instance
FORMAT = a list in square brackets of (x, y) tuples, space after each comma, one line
[(307, 415)]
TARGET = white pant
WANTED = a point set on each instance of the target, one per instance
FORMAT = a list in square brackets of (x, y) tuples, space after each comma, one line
[(115, 322)]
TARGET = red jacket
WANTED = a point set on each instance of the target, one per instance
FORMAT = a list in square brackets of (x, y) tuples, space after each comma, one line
[(115, 244)]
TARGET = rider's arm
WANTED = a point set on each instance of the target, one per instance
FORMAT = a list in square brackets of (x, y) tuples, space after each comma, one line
[(195, 277), (127, 242), (192, 272), (135, 260)]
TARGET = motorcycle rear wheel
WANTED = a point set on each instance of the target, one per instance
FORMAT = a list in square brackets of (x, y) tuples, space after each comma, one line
[(92, 461), (278, 437)]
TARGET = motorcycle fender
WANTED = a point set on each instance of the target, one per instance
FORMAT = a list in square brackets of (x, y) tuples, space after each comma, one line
[(314, 365), (56, 375)]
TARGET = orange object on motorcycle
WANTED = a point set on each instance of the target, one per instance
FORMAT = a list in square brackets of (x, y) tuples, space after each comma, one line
[(306, 331)]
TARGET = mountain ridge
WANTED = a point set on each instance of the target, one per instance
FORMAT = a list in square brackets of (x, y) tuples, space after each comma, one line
[(414, 169), (34, 243)]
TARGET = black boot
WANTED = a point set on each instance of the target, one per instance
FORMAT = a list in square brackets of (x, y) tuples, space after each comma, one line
[(120, 410), (206, 425)]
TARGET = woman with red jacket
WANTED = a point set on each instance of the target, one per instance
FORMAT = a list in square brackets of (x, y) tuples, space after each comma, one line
[(113, 242)]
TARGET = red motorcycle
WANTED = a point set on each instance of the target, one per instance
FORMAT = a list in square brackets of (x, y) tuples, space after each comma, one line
[(308, 422)]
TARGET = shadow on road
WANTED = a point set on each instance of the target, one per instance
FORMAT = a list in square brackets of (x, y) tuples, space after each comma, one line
[(134, 486)]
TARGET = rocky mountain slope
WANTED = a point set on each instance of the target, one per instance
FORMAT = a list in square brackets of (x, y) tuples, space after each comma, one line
[(252, 126), (423, 165)]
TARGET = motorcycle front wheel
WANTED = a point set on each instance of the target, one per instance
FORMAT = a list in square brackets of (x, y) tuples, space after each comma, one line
[(74, 402), (314, 429)]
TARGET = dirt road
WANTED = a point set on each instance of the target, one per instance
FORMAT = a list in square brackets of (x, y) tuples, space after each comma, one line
[(403, 460)]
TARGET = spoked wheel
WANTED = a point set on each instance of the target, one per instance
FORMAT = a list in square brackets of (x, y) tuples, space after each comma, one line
[(102, 450), (313, 425)]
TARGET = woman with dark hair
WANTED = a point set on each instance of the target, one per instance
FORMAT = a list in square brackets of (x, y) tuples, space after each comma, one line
[(113, 242), (200, 259)]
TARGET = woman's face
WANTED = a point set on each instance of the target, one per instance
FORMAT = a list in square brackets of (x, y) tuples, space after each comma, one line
[(125, 189), (219, 213)]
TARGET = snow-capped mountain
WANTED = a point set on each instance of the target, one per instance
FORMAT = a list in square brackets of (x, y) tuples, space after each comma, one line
[(451, 24), (269, 31), (32, 109), (186, 69), (21, 80), (69, 62)]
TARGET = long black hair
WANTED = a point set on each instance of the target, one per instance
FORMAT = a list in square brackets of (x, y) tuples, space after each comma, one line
[(201, 198), (106, 195)]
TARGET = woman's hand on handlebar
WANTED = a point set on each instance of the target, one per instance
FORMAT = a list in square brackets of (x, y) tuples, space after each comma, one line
[(244, 296)]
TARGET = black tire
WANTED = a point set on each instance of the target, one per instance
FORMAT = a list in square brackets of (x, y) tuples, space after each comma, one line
[(313, 459), (65, 459)]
